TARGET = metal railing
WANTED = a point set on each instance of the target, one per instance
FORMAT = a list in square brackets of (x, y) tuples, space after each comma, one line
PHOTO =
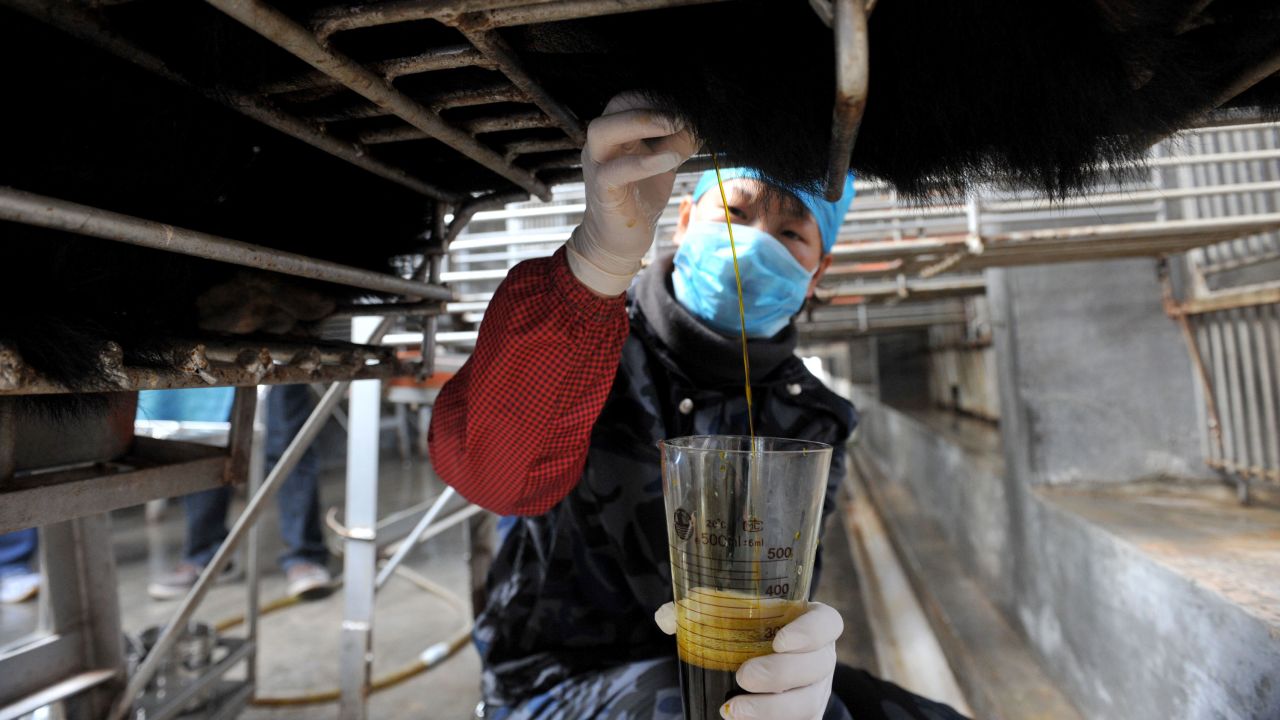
[(1209, 197), (889, 249), (1230, 305)]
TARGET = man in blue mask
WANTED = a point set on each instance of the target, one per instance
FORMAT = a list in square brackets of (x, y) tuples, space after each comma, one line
[(582, 365), (783, 241)]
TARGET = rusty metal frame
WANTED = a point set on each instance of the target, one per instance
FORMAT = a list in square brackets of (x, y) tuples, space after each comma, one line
[(195, 365), (1179, 316), (491, 13), (442, 58), (849, 23), (478, 21), (42, 211), (82, 24), (244, 523), (1232, 301), (147, 472), (497, 50), (70, 505), (303, 44), (1250, 76), (467, 97)]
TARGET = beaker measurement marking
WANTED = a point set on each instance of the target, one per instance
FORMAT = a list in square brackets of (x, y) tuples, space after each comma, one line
[(683, 551), (737, 583), (738, 626), (700, 568), (730, 574), (722, 641), (705, 575), (731, 658), (754, 606), (744, 584)]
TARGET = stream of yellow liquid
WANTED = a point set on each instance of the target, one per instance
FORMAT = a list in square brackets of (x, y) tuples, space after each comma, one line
[(742, 311)]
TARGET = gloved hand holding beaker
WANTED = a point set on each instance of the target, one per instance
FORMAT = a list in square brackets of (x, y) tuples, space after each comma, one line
[(794, 683), (743, 519), (628, 165)]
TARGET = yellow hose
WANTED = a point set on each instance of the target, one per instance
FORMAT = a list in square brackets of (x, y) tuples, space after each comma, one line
[(429, 658)]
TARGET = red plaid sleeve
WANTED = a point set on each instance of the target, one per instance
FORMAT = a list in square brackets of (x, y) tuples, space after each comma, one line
[(510, 431)]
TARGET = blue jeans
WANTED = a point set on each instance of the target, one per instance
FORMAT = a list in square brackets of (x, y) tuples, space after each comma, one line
[(298, 501), (17, 549)]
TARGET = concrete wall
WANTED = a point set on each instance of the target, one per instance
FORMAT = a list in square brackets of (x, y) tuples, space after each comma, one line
[(1094, 377), (1095, 387), (1122, 634), (1130, 638), (956, 475)]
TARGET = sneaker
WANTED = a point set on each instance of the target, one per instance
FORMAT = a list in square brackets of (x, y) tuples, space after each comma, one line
[(19, 587), (308, 581), (176, 584)]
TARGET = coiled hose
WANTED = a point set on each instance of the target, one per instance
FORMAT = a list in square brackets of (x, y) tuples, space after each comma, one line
[(429, 658)]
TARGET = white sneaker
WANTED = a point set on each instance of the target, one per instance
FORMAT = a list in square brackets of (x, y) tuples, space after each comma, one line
[(19, 587), (308, 581)]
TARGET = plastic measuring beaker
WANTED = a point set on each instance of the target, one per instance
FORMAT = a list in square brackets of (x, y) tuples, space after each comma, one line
[(743, 518)]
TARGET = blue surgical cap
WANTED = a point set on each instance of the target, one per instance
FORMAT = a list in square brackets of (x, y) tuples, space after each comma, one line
[(828, 214)]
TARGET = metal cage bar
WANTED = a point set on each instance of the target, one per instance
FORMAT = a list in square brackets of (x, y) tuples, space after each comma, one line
[(501, 54), (849, 23), (493, 13), (86, 26), (301, 43), (31, 209), (442, 58), (283, 467)]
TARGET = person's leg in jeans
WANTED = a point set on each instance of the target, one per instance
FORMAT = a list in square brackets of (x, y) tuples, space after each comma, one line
[(206, 524), (206, 516), (18, 579), (17, 550), (298, 502)]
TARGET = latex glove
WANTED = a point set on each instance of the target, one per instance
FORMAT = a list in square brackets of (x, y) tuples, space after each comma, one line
[(629, 167), (794, 683)]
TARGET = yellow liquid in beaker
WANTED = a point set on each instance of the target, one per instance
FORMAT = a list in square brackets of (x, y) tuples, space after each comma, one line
[(721, 629)]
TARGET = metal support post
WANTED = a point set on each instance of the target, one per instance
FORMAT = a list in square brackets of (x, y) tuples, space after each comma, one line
[(385, 573), (431, 269), (360, 552), (288, 460), (973, 219), (253, 568), (849, 24), (8, 439), (80, 580)]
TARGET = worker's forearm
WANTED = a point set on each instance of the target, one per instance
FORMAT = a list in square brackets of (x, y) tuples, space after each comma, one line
[(510, 431)]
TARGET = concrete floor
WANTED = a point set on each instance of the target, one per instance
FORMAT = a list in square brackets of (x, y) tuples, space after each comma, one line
[(299, 652)]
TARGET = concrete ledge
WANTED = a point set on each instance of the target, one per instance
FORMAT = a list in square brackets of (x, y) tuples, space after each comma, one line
[(1140, 600), (1197, 530), (997, 671)]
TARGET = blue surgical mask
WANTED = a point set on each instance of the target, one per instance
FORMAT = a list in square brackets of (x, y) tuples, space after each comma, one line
[(774, 283)]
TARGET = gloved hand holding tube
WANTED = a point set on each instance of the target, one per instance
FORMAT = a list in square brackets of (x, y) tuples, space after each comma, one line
[(628, 165), (794, 683)]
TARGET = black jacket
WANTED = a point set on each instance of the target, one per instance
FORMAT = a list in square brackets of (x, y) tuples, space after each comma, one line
[(575, 589)]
